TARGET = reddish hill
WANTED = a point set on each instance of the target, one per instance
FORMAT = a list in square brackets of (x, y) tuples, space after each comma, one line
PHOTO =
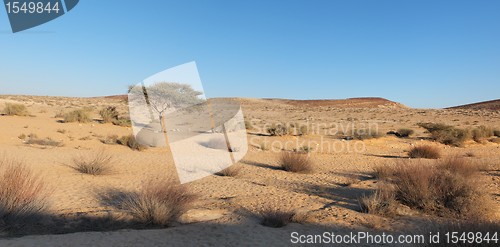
[(485, 105)]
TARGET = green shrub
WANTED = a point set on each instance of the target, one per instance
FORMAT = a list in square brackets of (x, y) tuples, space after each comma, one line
[(15, 110), (109, 114), (80, 115), (446, 134)]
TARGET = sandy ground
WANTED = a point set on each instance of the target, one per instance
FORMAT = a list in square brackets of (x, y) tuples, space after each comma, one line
[(328, 196)]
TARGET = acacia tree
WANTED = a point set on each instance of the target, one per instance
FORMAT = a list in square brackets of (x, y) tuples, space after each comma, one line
[(169, 96)]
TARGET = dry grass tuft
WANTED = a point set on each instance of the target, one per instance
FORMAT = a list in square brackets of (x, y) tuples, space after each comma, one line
[(158, 203), (22, 195), (276, 218), (15, 110), (296, 162), (97, 164), (381, 202), (424, 151)]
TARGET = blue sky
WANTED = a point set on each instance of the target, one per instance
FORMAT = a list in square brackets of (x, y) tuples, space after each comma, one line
[(420, 53)]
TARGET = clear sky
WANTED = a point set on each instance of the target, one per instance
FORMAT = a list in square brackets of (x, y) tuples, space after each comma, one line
[(420, 53)]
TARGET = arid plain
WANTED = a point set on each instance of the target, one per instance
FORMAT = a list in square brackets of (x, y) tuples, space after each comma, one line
[(229, 210)]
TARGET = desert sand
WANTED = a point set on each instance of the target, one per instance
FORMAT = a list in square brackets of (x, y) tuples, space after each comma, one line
[(224, 213)]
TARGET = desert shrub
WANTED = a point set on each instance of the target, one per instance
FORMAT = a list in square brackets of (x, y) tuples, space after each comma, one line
[(22, 136), (110, 139), (445, 188), (496, 133), (295, 162), (278, 130), (34, 140), (383, 172), (446, 134), (80, 115), (424, 151), (96, 164), (463, 167), (231, 171), (482, 132), (404, 133), (131, 142), (15, 110), (22, 195), (158, 203), (380, 202), (123, 122), (109, 114), (276, 218)]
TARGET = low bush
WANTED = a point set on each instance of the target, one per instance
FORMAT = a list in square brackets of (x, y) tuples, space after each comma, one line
[(96, 164), (109, 114), (80, 115), (110, 140), (34, 140), (405, 133), (496, 133), (131, 142), (446, 134), (425, 151), (276, 218), (15, 110), (158, 203), (481, 133), (22, 195), (296, 162), (278, 130), (380, 202), (445, 188)]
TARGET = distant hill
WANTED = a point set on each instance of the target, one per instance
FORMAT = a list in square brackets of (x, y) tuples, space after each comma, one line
[(368, 102), (486, 105)]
